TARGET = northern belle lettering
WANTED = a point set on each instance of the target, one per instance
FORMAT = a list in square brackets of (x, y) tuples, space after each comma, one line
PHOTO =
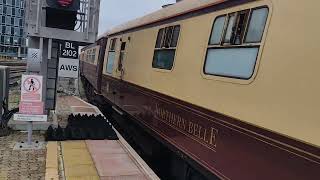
[(207, 135)]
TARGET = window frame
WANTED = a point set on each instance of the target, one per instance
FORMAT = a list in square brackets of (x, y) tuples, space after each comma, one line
[(122, 55), (265, 25), (223, 45), (163, 48), (112, 46)]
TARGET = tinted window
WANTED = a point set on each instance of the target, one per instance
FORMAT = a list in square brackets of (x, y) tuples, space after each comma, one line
[(111, 57), (112, 44), (256, 25), (230, 28), (123, 46), (175, 37), (159, 38), (168, 37), (9, 11), (235, 57), (217, 30), (163, 59), (8, 30), (222, 62), (166, 43)]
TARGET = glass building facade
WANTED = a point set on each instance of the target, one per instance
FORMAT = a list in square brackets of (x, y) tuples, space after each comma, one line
[(12, 35)]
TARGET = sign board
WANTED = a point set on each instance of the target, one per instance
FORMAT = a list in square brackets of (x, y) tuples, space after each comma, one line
[(68, 68), (31, 88), (34, 59), (35, 108), (69, 49), (30, 118)]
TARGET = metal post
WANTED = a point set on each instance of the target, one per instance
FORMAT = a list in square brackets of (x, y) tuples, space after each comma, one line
[(38, 16), (88, 21), (30, 133)]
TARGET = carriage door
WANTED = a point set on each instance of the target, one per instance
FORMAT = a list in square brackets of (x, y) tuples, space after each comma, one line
[(120, 69), (120, 73)]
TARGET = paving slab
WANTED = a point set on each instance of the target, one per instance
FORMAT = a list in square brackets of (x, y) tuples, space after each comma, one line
[(21, 164), (98, 159), (77, 160)]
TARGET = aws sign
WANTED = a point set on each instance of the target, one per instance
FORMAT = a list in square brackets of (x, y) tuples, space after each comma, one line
[(68, 68), (68, 59)]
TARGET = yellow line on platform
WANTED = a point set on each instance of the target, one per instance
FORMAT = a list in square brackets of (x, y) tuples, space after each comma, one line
[(52, 170), (78, 163)]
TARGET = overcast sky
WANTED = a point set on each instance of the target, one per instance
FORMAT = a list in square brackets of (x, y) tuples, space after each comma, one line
[(115, 12)]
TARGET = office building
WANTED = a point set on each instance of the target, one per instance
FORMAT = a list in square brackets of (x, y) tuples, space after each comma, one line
[(12, 35)]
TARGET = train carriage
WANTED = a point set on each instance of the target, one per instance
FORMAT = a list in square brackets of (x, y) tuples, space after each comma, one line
[(230, 87), (91, 59)]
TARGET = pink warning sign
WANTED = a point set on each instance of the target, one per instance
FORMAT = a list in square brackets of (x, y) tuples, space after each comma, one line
[(31, 88), (34, 108)]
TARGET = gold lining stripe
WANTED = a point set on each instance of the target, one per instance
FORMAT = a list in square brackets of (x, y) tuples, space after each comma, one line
[(276, 141)]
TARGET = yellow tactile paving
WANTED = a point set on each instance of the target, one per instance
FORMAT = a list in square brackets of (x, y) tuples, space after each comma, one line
[(80, 170), (74, 145), (52, 161), (77, 161)]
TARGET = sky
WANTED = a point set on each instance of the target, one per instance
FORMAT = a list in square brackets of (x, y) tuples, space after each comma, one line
[(116, 12)]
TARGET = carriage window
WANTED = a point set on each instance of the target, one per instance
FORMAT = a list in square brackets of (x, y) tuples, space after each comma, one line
[(222, 62), (112, 44), (111, 55), (231, 21), (256, 25), (233, 48), (239, 29), (175, 36), (217, 30), (93, 56), (123, 46), (122, 54), (159, 38), (165, 47)]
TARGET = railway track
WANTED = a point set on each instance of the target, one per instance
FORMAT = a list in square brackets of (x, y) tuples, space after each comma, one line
[(17, 68)]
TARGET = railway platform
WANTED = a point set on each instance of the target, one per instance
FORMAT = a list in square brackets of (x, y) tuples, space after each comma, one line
[(74, 159), (91, 159)]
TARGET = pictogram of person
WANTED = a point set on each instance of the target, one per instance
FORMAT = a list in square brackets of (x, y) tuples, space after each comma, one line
[(31, 85)]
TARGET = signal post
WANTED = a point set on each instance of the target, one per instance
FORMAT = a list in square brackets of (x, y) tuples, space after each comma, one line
[(49, 25)]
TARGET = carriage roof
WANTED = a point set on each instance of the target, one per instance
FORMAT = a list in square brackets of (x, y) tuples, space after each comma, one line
[(180, 8)]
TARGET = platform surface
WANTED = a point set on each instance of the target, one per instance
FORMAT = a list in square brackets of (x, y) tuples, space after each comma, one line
[(93, 159)]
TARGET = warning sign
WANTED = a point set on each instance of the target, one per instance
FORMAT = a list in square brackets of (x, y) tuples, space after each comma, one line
[(29, 117), (35, 108), (31, 88)]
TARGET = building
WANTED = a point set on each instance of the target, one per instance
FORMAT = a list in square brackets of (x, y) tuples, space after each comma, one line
[(12, 35)]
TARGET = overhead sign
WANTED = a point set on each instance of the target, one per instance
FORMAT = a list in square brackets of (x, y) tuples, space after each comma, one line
[(31, 88), (69, 49), (34, 59), (28, 117), (68, 68)]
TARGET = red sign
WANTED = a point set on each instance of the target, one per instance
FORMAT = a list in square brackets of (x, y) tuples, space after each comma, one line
[(31, 88), (64, 3), (34, 108)]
